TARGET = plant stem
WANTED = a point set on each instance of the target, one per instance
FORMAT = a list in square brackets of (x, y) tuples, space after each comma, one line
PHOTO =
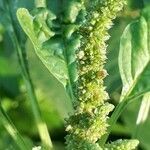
[(40, 3), (21, 53), (41, 125), (7, 123), (117, 112)]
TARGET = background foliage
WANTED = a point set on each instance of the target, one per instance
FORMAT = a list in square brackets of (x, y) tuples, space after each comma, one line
[(54, 102)]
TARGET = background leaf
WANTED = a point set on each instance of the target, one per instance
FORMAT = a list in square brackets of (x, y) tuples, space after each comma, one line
[(144, 109), (134, 59)]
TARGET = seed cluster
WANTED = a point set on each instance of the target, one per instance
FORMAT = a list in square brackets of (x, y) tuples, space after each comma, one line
[(89, 122)]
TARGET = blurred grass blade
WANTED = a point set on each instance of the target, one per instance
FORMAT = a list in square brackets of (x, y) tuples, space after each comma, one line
[(142, 115), (144, 109), (5, 120)]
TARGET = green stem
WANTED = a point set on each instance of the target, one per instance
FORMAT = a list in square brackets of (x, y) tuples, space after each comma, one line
[(117, 112), (40, 3), (70, 90), (7, 123), (41, 125)]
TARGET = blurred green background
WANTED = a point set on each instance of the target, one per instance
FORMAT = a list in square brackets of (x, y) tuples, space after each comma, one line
[(53, 101)]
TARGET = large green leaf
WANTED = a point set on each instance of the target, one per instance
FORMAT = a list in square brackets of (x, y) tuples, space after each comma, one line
[(134, 59), (53, 60)]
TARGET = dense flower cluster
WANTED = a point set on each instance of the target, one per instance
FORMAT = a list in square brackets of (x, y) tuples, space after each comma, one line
[(89, 122)]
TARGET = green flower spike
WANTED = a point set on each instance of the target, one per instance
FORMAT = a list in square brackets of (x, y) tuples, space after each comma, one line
[(89, 122)]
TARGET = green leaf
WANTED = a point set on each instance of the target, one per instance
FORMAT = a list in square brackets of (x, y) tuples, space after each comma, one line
[(134, 59), (52, 59)]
